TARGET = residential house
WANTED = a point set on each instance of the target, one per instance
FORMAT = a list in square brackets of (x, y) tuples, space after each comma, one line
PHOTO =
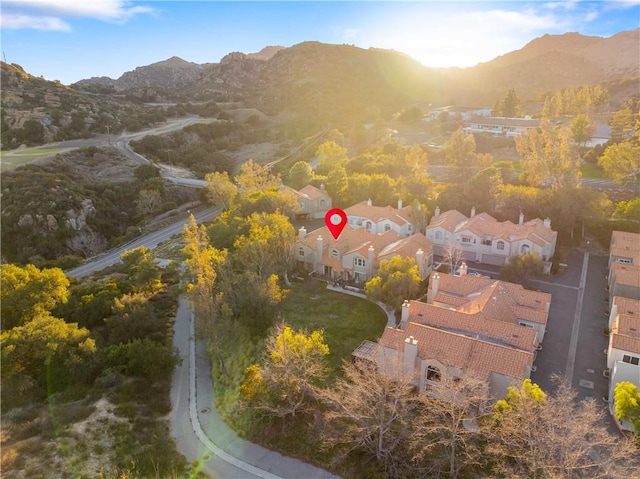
[(624, 265), (470, 325), (483, 239), (498, 300), (356, 255), (314, 202), (500, 126), (379, 219), (623, 353)]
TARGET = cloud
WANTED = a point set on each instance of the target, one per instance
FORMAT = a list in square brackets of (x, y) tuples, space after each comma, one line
[(46, 14), (18, 21)]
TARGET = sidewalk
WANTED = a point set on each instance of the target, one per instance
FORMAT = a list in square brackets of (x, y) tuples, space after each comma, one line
[(221, 440)]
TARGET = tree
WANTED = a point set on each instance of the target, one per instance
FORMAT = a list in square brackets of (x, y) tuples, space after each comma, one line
[(46, 349), (627, 403), (448, 432), (220, 190), (550, 159), (330, 155), (509, 106), (460, 154), (337, 185), (255, 177), (581, 129), (621, 161), (482, 188), (628, 209), (417, 161), (398, 279), (28, 291), (452, 256), (141, 268), (370, 410), (293, 366), (521, 268), (148, 203), (558, 436), (300, 175), (622, 124)]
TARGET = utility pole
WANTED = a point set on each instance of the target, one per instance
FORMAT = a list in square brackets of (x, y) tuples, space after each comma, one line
[(109, 134)]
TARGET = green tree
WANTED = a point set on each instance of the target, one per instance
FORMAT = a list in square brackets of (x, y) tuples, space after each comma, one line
[(28, 291), (293, 366), (521, 268), (330, 155), (621, 161), (581, 129), (627, 403), (622, 124), (46, 349), (220, 190), (509, 106), (148, 203), (337, 185), (460, 155), (300, 175), (398, 279), (142, 358), (628, 210), (550, 159), (141, 268)]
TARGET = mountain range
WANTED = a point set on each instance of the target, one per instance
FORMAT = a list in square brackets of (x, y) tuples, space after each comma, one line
[(337, 83)]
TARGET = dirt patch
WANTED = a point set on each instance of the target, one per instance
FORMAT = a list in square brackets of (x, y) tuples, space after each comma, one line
[(258, 152)]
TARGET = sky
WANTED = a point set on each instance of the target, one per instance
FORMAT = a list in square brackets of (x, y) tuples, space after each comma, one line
[(69, 40)]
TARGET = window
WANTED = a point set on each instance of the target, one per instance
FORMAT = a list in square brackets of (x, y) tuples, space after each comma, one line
[(334, 253), (524, 249), (500, 245), (300, 251), (466, 239), (630, 359), (439, 235), (433, 374), (387, 227), (322, 202), (359, 262), (623, 260), (368, 225)]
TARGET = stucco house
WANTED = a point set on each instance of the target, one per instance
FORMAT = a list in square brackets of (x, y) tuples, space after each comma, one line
[(624, 265), (623, 353), (483, 239), (314, 202), (500, 126), (470, 325), (379, 219), (356, 255)]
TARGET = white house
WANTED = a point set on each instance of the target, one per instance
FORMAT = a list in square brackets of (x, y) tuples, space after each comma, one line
[(500, 126), (624, 265), (313, 202), (379, 219), (483, 239)]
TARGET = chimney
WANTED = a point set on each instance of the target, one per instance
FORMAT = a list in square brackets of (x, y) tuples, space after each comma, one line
[(420, 262), (404, 317), (434, 286), (400, 204), (371, 251), (319, 248), (437, 212), (369, 203), (302, 232), (410, 354), (463, 269), (521, 219), (473, 211), (322, 186), (547, 223)]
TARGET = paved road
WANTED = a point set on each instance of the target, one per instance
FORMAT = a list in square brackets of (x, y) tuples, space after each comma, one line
[(150, 240), (201, 434)]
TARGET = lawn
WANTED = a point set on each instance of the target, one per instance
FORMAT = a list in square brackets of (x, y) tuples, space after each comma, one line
[(346, 320), (590, 170)]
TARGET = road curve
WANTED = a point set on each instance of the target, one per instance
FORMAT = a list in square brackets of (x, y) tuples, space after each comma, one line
[(150, 240)]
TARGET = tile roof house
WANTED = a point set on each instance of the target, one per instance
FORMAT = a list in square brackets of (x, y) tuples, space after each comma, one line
[(314, 202), (379, 219), (623, 353), (356, 255), (624, 265), (488, 329), (483, 239)]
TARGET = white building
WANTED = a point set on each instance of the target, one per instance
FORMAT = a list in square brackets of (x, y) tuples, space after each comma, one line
[(500, 126), (378, 219)]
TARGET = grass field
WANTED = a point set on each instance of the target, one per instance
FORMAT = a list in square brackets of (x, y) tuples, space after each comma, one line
[(10, 160), (592, 171), (346, 320)]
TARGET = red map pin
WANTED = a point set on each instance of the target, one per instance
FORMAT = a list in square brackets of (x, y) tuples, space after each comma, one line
[(336, 220)]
